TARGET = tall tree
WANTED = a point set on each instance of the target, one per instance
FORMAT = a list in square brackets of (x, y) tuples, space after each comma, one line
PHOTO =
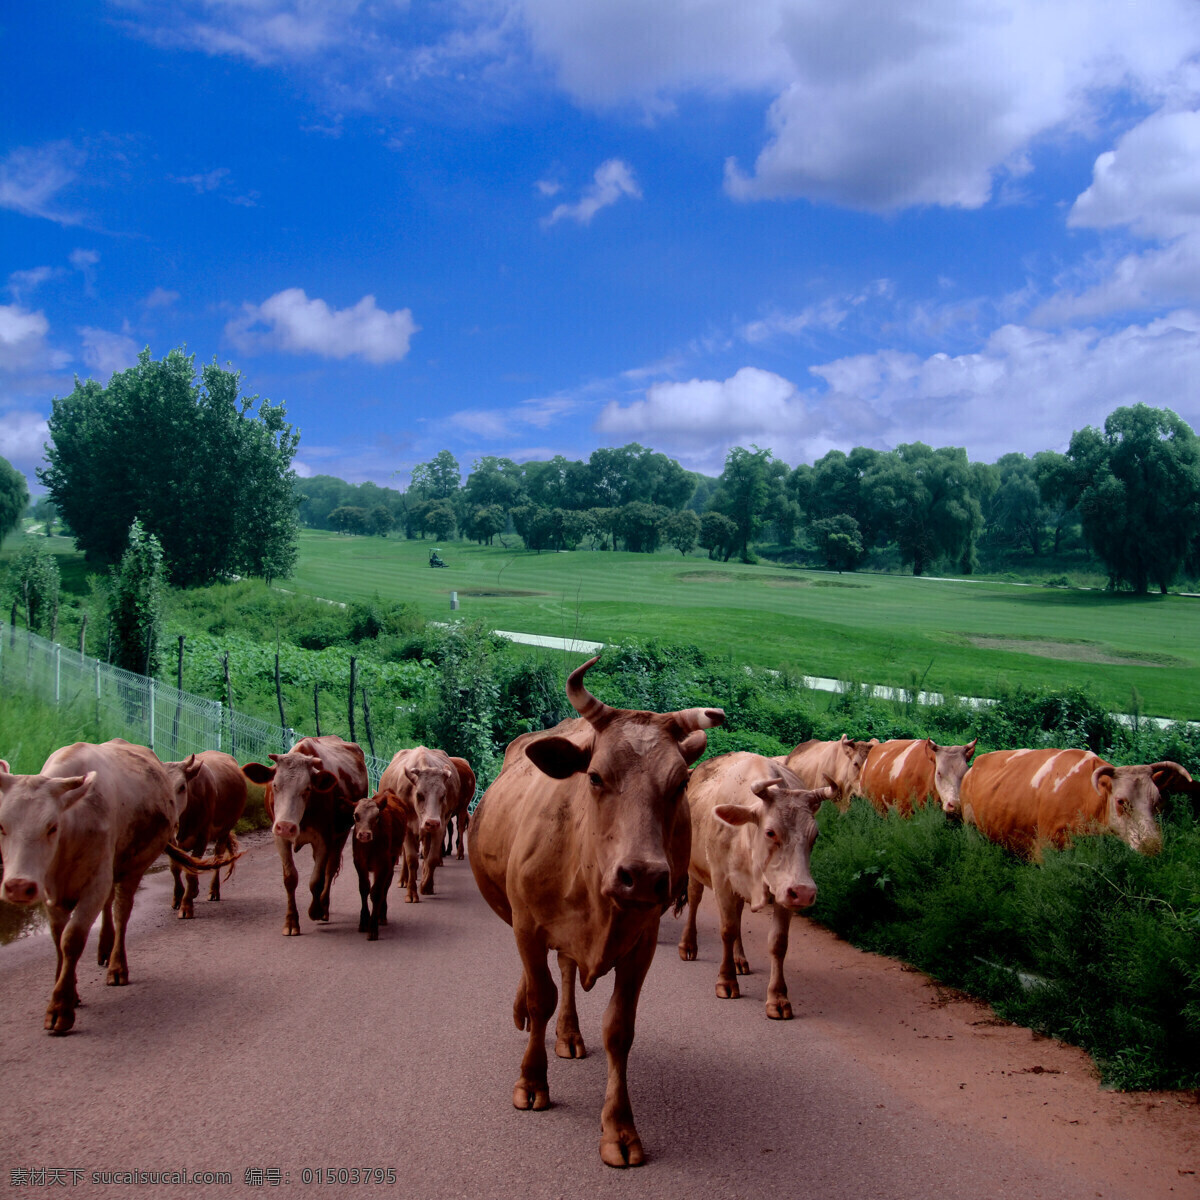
[(135, 603), (1137, 487), (203, 472), (750, 488), (14, 496), (438, 479), (33, 581)]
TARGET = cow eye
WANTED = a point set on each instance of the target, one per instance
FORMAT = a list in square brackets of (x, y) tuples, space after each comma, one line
[(595, 780), (772, 835), (51, 830)]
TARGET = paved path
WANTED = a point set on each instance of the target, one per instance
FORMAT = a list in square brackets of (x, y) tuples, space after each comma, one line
[(235, 1048)]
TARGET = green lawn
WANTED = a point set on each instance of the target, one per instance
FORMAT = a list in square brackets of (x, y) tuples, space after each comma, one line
[(870, 628)]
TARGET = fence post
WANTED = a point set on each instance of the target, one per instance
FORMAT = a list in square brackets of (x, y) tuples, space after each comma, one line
[(57, 673), (353, 676), (97, 697), (151, 742), (220, 724)]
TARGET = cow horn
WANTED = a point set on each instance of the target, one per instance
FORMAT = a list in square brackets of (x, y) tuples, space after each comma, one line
[(699, 718), (594, 711)]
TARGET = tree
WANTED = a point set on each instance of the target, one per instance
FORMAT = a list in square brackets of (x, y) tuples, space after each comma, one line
[(438, 479), (33, 580), (1137, 488), (484, 522), (380, 520), (839, 542), (682, 530), (750, 487), (135, 603), (641, 526), (191, 460), (440, 518), (14, 496), (718, 535), (349, 518)]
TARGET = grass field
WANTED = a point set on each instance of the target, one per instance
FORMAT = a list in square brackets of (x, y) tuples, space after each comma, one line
[(967, 638)]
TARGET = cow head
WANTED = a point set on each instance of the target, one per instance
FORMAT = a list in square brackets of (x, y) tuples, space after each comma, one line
[(783, 815), (853, 757), (32, 808), (294, 778), (630, 774), (432, 786), (950, 764), (189, 780), (367, 814), (1134, 795)]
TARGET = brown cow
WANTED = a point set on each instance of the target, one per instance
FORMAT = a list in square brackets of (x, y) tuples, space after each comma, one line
[(580, 844), (433, 782), (1022, 797), (312, 791), (753, 830), (816, 764), (216, 799), (904, 773), (381, 825), (460, 820), (79, 835)]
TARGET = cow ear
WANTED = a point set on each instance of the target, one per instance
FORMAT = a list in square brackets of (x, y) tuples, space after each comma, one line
[(558, 757), (931, 749), (323, 781), (694, 745), (412, 776), (274, 757), (1102, 779), (67, 792), (818, 796), (739, 814), (191, 767), (4, 767), (1171, 777), (258, 772)]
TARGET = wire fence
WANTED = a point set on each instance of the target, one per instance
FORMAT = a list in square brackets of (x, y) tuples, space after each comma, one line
[(171, 722)]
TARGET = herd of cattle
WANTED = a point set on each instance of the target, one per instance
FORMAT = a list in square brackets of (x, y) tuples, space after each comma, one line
[(590, 832)]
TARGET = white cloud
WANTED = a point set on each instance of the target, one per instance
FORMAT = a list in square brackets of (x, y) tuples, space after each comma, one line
[(220, 181), (22, 436), (612, 180), (32, 177), (22, 283), (23, 345), (106, 352), (290, 322), (160, 298)]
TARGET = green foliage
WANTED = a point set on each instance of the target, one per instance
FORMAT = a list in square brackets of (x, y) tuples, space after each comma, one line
[(14, 496), (209, 478), (682, 531), (135, 603), (839, 542), (750, 490), (33, 581)]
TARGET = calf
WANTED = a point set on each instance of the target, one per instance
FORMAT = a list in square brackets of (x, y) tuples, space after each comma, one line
[(1020, 798), (753, 829), (580, 844), (79, 835), (381, 823), (901, 774), (216, 799), (839, 763), (434, 783), (312, 791)]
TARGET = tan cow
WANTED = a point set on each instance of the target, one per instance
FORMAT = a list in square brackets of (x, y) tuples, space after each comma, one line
[(79, 835), (904, 773), (1022, 797), (817, 764), (381, 824), (311, 794), (580, 844), (753, 829), (433, 782), (216, 799)]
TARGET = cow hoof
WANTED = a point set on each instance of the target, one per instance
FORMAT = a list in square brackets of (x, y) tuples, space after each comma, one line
[(687, 951), (535, 1096), (625, 1150), (117, 977), (728, 989), (779, 1010), (291, 927), (362, 926), (186, 912), (58, 1020), (373, 935), (459, 856), (412, 898), (175, 902), (570, 1045), (741, 966), (427, 888)]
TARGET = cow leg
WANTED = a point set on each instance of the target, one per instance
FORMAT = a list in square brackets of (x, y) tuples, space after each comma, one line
[(105, 944), (187, 908), (382, 895), (779, 1008), (739, 953), (70, 933), (364, 891), (122, 906), (177, 892), (432, 850), (687, 943), (319, 882), (532, 1090), (408, 876), (383, 880), (568, 1041), (291, 877), (730, 906), (620, 1145), (221, 847), (58, 922), (462, 821)]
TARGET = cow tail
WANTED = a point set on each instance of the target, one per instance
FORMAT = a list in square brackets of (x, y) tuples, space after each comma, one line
[(193, 866), (233, 848)]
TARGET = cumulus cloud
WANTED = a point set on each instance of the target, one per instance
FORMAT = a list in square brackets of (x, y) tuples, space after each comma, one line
[(292, 323), (32, 177), (160, 298), (23, 344), (22, 437), (106, 352), (612, 180)]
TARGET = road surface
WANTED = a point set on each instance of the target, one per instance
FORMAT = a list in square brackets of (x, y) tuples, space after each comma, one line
[(237, 1050)]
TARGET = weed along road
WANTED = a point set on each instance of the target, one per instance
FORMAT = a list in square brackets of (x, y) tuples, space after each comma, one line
[(298, 1065)]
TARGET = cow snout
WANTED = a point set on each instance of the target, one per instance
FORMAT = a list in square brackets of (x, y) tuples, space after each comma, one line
[(21, 891), (639, 885), (288, 830), (800, 895), (431, 825), (363, 835)]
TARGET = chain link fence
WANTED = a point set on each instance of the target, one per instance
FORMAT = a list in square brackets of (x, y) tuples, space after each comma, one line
[(171, 722)]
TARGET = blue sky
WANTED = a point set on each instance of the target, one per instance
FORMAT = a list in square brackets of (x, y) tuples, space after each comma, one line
[(525, 227)]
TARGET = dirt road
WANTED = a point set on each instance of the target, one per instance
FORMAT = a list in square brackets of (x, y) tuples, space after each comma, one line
[(236, 1049)]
